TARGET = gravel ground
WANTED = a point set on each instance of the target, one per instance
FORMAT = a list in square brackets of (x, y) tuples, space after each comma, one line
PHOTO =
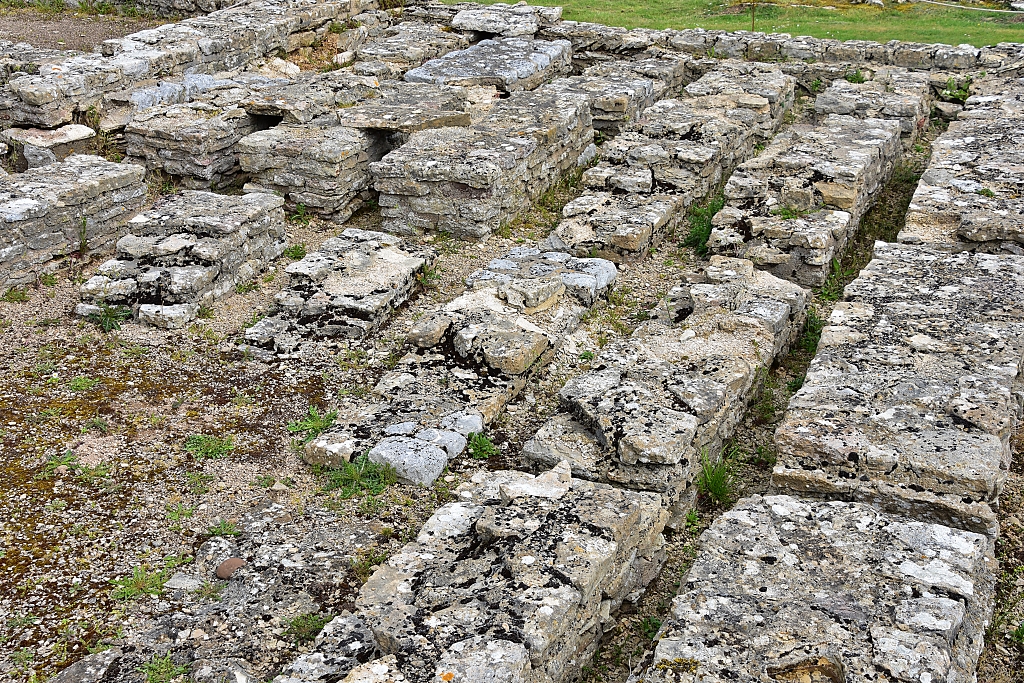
[(68, 30)]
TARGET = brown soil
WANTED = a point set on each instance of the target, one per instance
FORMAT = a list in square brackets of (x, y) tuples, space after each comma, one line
[(68, 30)]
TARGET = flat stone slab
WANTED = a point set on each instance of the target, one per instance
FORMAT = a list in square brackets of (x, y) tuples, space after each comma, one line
[(616, 101), (508, 64), (47, 213), (188, 250), (969, 197), (677, 387), (35, 147), (506, 20), (890, 94), (405, 46), (793, 208), (346, 288), (910, 401), (785, 589), (515, 581)]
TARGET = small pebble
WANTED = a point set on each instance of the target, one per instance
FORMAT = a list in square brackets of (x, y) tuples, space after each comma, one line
[(229, 566)]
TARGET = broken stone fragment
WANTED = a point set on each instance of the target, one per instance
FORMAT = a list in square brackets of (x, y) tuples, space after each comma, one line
[(415, 461), (428, 331), (330, 449)]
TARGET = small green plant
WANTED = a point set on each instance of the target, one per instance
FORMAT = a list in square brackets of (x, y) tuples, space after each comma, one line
[(650, 626), (142, 581), (700, 223), (788, 213), (305, 628), (15, 295), (110, 317), (210, 590), (367, 560), (717, 480), (480, 446), (205, 313), (835, 283), (223, 528), (82, 383), (162, 669), (246, 287), (955, 92), (264, 481), (296, 251), (429, 278), (817, 86), (587, 355), (313, 424), (1017, 634), (179, 512), (198, 483), (855, 76), (692, 520), (360, 476), (48, 280), (300, 215), (812, 332), (205, 446), (985, 192)]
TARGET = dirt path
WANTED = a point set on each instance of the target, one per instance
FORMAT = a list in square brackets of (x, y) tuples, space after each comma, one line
[(68, 30)]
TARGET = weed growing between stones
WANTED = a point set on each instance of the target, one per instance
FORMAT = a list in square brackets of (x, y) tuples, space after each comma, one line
[(716, 482), (305, 628), (296, 251), (223, 528), (142, 581), (700, 222), (162, 669), (210, 591), (360, 476), (15, 295), (480, 446), (367, 561), (313, 424)]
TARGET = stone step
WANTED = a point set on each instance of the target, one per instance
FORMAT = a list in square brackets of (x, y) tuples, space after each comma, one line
[(793, 208), (787, 589), (915, 390), (660, 402), (47, 213), (188, 250)]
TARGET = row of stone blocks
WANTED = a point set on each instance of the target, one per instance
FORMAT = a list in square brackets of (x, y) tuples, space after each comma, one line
[(878, 560)]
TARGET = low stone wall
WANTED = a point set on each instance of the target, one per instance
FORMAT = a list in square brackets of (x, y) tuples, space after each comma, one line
[(808, 590), (793, 208), (890, 94), (188, 250), (646, 179), (970, 195), (915, 419), (77, 205), (405, 46), (508, 64)]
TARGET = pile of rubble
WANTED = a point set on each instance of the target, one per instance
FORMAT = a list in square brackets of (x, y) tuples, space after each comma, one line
[(188, 250), (77, 205), (793, 208)]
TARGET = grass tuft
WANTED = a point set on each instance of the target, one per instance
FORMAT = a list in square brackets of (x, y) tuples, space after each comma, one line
[(481, 447), (313, 424), (208, 447), (360, 476), (717, 479)]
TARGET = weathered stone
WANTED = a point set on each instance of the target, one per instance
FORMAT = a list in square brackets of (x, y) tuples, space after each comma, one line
[(910, 401), (415, 460), (330, 449), (890, 94), (793, 208), (402, 47), (506, 20), (785, 589), (190, 248), (227, 568), (347, 288), (35, 148), (79, 204), (509, 64)]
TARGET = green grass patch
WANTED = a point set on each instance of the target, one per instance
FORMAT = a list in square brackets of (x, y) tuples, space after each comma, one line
[(480, 446), (360, 476), (162, 669), (313, 424), (818, 18), (700, 223), (305, 628), (716, 481), (205, 446), (83, 383), (142, 581)]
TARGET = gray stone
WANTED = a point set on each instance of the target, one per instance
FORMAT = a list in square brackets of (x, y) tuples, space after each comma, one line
[(416, 461), (509, 64), (173, 317)]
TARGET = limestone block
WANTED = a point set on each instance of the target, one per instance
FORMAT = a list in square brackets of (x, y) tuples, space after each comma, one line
[(35, 147), (404, 46), (506, 20), (509, 64), (890, 94)]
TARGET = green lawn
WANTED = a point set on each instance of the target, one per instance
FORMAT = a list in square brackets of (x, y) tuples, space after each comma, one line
[(909, 22)]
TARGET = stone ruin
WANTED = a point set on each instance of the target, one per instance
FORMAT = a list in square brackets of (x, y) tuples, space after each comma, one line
[(454, 118)]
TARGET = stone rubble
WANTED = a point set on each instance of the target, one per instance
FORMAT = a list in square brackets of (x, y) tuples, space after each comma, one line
[(77, 205), (912, 397), (970, 195), (787, 589), (185, 252), (657, 404), (347, 288), (793, 208)]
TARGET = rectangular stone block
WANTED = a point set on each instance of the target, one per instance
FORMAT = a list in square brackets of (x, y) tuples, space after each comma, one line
[(508, 64), (898, 94), (912, 397), (786, 589)]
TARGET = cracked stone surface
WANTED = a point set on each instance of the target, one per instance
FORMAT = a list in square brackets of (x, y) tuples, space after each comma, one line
[(677, 388), (189, 249), (793, 208), (911, 399), (788, 589), (890, 94), (405, 46), (509, 64)]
